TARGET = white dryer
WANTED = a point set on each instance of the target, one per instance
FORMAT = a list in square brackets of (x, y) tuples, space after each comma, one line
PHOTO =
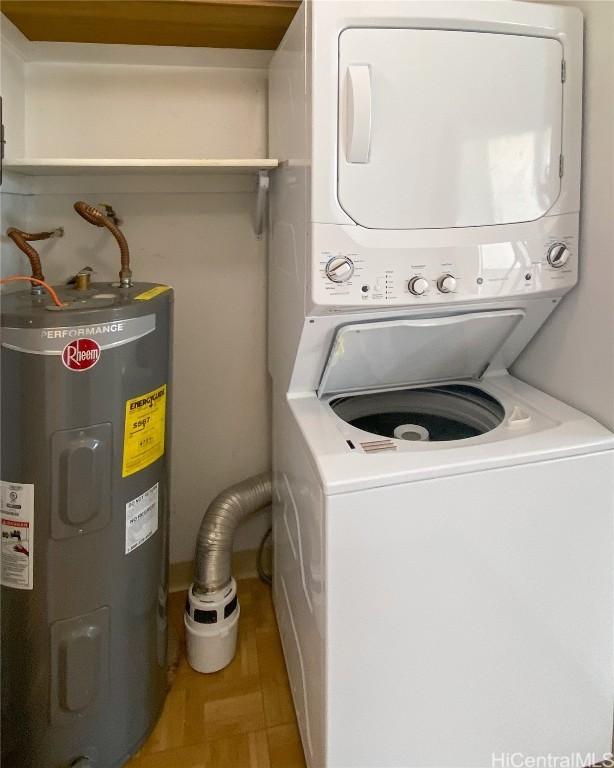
[(443, 531)]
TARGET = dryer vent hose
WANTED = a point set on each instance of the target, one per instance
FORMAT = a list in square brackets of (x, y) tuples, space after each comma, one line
[(217, 530), (99, 219)]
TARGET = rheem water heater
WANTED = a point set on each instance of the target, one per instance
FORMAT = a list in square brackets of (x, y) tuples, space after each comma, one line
[(84, 510)]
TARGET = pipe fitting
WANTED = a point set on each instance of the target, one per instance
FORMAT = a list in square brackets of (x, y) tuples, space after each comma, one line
[(83, 278), (91, 214)]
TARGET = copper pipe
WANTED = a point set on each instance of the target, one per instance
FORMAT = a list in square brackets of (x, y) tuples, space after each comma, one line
[(98, 219), (21, 238)]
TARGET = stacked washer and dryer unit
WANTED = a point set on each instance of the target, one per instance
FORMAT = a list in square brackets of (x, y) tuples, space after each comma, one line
[(443, 531)]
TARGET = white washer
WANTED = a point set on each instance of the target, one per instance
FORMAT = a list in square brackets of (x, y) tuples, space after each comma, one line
[(442, 603)]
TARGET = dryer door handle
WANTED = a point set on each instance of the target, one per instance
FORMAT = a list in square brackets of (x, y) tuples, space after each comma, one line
[(358, 115)]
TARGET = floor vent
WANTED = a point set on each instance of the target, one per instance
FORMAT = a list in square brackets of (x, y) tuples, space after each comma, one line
[(377, 446)]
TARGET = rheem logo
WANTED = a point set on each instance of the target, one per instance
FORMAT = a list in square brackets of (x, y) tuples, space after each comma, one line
[(81, 354)]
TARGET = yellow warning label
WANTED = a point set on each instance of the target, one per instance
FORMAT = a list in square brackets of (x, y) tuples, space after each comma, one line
[(144, 430), (152, 293)]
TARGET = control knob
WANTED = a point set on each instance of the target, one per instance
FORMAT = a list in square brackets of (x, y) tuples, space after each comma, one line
[(558, 255), (418, 286), (447, 283), (339, 269)]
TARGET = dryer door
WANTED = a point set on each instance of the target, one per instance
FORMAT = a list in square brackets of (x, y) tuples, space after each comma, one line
[(442, 129)]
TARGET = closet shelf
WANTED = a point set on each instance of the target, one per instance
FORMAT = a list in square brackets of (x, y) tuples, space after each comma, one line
[(92, 166), (211, 23)]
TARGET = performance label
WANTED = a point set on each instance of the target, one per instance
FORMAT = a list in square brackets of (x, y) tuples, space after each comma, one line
[(17, 515), (144, 430), (141, 518), (56, 341)]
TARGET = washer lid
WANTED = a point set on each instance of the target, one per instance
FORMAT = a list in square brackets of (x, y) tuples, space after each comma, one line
[(397, 353)]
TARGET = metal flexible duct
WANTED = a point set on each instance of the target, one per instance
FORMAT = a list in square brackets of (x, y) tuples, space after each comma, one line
[(217, 530)]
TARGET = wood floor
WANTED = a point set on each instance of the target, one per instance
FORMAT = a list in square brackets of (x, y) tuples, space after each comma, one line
[(241, 717)]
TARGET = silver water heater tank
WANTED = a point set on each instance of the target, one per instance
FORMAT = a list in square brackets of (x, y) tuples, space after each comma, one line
[(84, 509)]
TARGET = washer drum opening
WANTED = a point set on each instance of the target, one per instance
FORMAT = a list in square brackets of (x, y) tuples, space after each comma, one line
[(435, 414)]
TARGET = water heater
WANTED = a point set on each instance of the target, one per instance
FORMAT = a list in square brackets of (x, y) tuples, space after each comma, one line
[(84, 510)]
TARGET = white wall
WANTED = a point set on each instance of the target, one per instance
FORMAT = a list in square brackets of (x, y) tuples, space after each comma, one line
[(123, 110), (12, 83), (573, 355), (202, 243), (13, 213), (193, 232)]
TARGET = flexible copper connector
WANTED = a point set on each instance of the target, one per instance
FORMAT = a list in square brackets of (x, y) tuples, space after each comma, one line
[(21, 238), (98, 219)]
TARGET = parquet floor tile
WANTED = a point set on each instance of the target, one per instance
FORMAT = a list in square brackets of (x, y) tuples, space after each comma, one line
[(240, 717)]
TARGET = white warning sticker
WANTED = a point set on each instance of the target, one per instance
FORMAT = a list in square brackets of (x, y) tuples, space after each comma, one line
[(17, 515), (141, 518)]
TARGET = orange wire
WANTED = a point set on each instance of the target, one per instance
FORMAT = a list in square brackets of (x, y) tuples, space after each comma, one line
[(45, 285)]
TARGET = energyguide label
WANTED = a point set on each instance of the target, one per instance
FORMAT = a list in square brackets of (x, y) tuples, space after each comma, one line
[(144, 430)]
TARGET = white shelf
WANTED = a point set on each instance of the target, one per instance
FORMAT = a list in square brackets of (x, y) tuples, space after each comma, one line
[(63, 166)]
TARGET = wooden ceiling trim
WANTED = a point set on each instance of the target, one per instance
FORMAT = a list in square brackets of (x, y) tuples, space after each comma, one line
[(256, 24)]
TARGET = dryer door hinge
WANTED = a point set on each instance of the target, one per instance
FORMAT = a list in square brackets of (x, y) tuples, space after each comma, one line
[(561, 166), (563, 71)]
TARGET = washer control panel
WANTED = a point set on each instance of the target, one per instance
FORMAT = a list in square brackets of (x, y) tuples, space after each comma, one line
[(346, 273)]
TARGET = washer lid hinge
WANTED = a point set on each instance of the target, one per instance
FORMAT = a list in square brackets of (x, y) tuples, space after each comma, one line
[(484, 369)]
